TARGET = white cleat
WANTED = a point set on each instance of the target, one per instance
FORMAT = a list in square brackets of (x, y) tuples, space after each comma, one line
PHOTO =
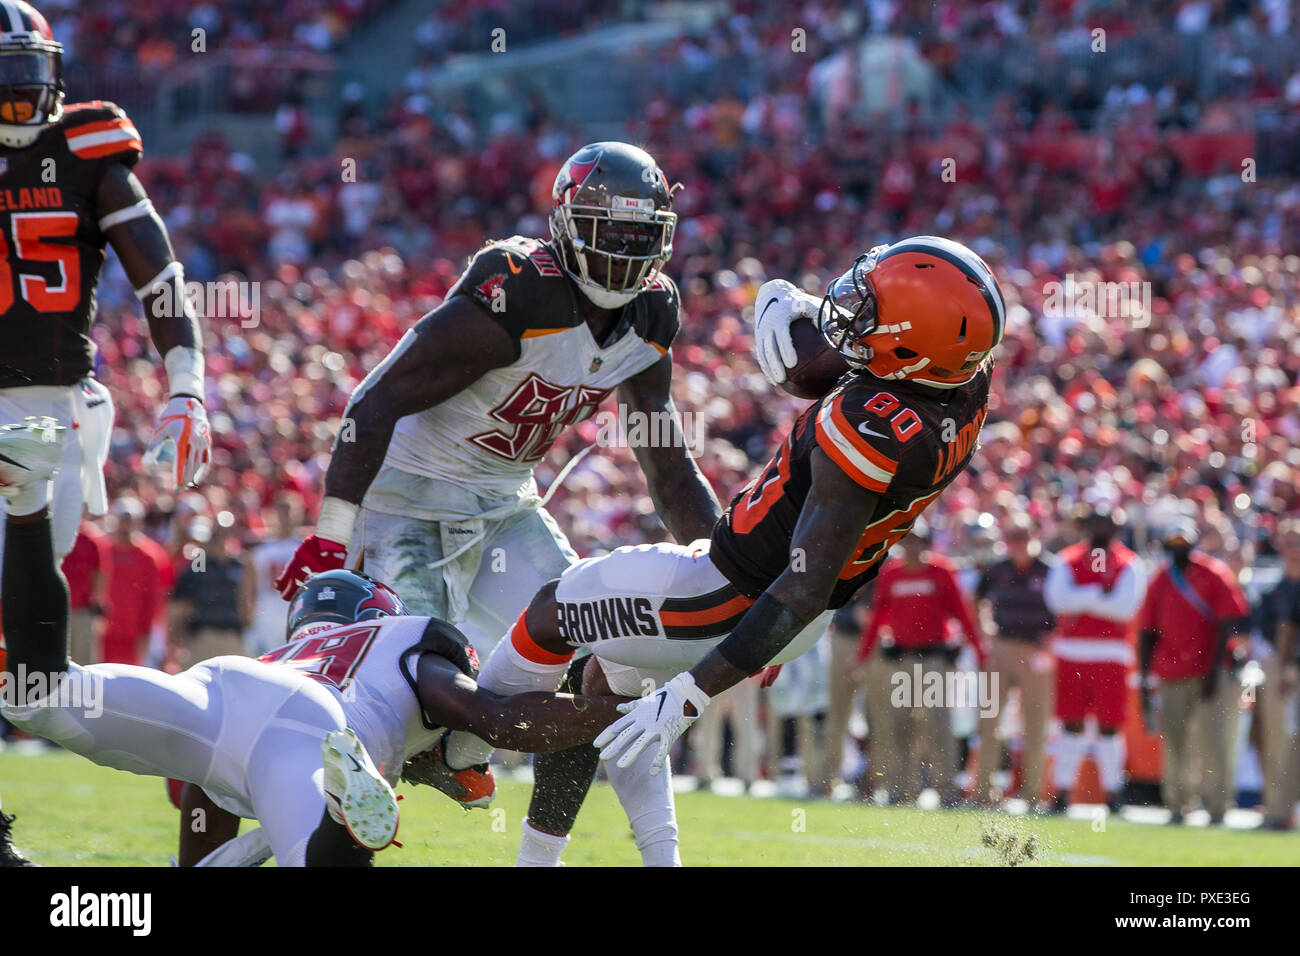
[(356, 793), (29, 452)]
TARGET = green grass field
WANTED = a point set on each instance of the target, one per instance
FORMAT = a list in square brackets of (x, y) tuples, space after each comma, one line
[(73, 813)]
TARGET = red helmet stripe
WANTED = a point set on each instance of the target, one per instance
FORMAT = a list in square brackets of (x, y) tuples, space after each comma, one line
[(42, 25), (578, 172)]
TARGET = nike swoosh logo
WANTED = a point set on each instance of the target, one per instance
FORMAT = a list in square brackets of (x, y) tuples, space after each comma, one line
[(662, 698), (867, 431), (770, 303), (356, 765), (511, 263), (16, 464)]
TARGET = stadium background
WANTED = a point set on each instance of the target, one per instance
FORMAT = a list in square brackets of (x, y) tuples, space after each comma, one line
[(1119, 166)]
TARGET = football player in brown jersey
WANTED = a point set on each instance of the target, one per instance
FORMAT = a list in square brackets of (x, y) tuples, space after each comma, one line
[(67, 191), (916, 321)]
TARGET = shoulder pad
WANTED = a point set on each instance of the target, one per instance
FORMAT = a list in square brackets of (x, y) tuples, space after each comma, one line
[(659, 312), (865, 447), (510, 280), (100, 129), (537, 253)]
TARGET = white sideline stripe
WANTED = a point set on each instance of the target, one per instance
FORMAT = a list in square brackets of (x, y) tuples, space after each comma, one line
[(916, 846)]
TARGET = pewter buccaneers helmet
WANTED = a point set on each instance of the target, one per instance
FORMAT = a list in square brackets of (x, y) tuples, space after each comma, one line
[(31, 75), (612, 220), (340, 597)]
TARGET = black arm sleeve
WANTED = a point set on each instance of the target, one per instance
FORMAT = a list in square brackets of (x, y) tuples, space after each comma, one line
[(762, 633)]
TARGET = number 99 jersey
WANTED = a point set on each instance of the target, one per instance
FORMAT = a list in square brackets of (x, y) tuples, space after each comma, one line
[(52, 243), (901, 440)]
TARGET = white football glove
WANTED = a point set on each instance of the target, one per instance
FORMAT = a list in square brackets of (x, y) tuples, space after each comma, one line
[(777, 304), (661, 715), (183, 440)]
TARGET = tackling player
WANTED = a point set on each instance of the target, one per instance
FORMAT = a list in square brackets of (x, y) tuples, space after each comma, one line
[(916, 321), (431, 477), (356, 679)]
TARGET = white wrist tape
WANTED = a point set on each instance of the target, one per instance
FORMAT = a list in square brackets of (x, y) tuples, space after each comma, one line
[(185, 369), (337, 519)]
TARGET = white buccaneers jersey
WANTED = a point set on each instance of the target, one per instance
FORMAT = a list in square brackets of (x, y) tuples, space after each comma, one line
[(488, 437), (269, 610), (372, 666)]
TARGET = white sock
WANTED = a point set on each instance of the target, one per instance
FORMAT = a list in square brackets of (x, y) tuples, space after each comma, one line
[(1110, 763), (29, 498), (506, 672), (648, 802), (540, 849), (1069, 754)]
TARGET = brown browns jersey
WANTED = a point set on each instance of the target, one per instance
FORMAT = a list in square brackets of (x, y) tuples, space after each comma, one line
[(903, 441), (51, 246)]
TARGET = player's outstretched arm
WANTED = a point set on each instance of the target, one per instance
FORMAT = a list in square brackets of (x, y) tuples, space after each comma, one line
[(682, 497), (445, 352), (828, 532), (532, 723)]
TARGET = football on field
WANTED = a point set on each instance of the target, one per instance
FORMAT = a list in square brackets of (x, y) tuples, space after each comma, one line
[(820, 366)]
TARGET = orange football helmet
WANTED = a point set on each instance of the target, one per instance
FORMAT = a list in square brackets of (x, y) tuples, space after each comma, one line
[(924, 309)]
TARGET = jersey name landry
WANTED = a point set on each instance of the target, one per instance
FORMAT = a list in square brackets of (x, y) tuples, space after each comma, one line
[(902, 441), (488, 437), (51, 245)]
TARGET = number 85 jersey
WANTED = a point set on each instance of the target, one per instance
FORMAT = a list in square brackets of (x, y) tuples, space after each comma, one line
[(52, 243), (903, 441)]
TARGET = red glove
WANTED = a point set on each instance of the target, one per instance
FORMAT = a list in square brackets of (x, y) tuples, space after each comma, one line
[(313, 556), (769, 675)]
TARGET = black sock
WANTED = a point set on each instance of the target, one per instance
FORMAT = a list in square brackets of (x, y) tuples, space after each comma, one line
[(35, 600), (332, 845), (561, 779)]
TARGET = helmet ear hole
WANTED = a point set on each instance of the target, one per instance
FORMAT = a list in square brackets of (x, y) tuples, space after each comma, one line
[(905, 353)]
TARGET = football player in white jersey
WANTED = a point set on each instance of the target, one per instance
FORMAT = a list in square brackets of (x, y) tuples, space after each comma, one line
[(266, 562), (431, 478), (287, 739)]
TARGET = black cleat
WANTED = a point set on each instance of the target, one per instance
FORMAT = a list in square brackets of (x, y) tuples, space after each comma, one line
[(10, 855)]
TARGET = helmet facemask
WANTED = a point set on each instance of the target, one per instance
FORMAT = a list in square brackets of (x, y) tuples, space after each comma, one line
[(31, 88), (611, 252), (848, 312)]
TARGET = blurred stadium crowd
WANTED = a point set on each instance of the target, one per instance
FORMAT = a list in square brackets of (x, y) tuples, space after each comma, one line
[(1190, 407)]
